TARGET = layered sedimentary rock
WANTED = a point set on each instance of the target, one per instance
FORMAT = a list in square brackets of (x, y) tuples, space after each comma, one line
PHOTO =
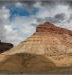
[(5, 46), (49, 41), (48, 27), (26, 63)]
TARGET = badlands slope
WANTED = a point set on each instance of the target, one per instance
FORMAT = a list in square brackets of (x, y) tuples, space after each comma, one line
[(48, 50)]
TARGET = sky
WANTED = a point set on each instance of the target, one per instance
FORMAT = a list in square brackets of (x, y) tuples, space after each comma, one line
[(19, 18)]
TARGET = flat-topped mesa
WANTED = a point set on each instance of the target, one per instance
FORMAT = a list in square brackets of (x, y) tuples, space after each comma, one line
[(48, 27)]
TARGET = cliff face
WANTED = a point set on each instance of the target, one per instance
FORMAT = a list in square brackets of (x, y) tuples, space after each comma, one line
[(5, 46), (48, 27), (49, 41)]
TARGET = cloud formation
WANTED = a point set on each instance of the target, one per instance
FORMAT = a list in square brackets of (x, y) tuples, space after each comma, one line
[(18, 19)]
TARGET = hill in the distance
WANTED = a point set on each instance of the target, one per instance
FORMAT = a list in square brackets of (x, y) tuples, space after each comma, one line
[(5, 46)]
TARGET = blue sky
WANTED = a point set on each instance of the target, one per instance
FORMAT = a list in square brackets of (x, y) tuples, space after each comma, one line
[(21, 11)]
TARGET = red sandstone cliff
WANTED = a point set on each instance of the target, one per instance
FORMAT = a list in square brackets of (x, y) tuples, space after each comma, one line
[(48, 27)]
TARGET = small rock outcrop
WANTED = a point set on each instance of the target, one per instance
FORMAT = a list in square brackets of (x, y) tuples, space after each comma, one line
[(5, 46)]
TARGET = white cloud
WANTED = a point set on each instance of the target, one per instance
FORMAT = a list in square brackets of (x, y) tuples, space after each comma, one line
[(48, 11), (7, 34), (37, 4), (4, 13), (18, 4), (8, 28), (24, 25)]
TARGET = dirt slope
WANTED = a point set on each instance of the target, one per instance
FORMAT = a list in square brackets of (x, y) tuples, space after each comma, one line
[(26, 63), (49, 41)]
